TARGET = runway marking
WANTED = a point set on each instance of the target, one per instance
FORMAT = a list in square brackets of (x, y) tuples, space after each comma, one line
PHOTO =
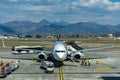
[(103, 68), (60, 73)]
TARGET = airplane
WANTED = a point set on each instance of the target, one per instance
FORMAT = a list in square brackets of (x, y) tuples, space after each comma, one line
[(59, 53)]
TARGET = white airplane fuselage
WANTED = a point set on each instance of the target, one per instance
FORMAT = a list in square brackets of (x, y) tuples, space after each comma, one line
[(59, 51)]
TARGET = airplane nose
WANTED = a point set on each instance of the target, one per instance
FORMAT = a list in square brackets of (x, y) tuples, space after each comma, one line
[(61, 56)]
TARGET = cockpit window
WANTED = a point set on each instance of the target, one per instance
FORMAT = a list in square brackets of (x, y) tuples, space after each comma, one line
[(62, 51), (50, 66), (59, 51)]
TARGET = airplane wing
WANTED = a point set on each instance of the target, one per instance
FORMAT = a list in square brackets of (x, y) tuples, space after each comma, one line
[(41, 54), (76, 55), (17, 58), (75, 48), (95, 57), (97, 48)]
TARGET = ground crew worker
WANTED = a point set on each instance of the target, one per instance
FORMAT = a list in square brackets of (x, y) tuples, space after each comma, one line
[(89, 62), (34, 57), (86, 62), (1, 66), (1, 63), (83, 60)]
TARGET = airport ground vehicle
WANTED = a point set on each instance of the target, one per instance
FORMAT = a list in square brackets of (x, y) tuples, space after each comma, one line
[(8, 67), (26, 49), (48, 66)]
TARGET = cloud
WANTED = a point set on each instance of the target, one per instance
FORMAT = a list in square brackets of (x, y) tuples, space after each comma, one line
[(35, 8), (114, 6), (102, 11), (98, 4), (38, 2)]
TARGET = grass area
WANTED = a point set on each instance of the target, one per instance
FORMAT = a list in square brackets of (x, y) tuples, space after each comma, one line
[(49, 42)]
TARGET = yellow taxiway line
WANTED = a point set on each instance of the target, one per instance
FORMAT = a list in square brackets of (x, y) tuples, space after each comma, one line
[(103, 68), (60, 73)]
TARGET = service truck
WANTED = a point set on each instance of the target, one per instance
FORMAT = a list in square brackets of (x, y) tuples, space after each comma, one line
[(8, 67), (48, 66)]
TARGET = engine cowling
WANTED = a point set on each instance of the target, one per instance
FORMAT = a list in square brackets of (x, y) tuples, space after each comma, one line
[(42, 56), (77, 56)]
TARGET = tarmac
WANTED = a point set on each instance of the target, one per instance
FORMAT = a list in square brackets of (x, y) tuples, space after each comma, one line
[(107, 69)]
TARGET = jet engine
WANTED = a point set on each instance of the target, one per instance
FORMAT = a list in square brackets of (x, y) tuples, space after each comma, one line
[(77, 56), (42, 56)]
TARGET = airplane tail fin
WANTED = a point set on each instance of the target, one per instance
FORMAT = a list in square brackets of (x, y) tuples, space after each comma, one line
[(58, 34), (3, 43), (113, 42)]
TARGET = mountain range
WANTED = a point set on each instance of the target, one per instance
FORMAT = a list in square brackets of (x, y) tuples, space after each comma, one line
[(47, 27)]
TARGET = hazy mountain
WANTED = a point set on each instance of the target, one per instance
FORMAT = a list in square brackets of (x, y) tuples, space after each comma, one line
[(62, 23), (88, 28), (24, 27), (117, 27), (6, 30), (21, 26), (44, 22), (47, 27)]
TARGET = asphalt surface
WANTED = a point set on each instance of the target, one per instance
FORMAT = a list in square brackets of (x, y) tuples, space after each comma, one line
[(107, 69)]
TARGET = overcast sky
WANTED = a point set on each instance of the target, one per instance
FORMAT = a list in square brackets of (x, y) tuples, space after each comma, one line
[(100, 11)]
